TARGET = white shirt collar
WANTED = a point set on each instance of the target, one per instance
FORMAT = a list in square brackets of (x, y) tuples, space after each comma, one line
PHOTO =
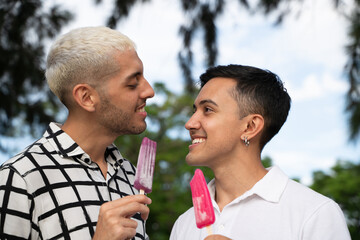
[(270, 187)]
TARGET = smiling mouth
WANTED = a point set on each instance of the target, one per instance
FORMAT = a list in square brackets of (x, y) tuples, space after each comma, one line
[(198, 140), (140, 109)]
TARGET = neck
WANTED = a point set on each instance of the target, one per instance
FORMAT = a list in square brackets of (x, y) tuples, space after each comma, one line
[(90, 137), (236, 177)]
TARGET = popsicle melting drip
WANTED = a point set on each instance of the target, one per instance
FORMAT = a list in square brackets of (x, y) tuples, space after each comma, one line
[(204, 211), (145, 166)]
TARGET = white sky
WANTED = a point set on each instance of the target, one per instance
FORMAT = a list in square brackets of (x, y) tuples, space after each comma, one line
[(307, 52)]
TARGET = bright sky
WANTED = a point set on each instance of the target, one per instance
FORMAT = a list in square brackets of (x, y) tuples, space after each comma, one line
[(307, 52)]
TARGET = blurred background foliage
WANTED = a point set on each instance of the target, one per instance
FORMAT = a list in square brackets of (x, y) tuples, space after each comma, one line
[(26, 105)]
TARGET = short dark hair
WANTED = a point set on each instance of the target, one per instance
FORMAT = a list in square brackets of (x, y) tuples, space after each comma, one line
[(257, 91)]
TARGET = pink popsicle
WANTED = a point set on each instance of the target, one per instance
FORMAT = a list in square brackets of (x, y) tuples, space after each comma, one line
[(145, 166), (204, 211)]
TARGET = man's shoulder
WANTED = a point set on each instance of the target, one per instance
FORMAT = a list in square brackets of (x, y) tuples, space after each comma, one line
[(185, 225), (304, 191), (23, 161), (187, 217), (317, 209), (304, 198)]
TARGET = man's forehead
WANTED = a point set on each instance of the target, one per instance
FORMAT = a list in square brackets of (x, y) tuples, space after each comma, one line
[(216, 86)]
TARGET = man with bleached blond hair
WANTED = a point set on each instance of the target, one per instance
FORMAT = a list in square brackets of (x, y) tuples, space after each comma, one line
[(73, 183)]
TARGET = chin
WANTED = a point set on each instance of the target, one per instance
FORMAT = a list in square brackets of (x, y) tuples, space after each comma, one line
[(193, 162), (138, 131), (134, 130)]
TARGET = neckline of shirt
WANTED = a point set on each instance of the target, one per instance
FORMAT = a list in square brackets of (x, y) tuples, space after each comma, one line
[(270, 187), (67, 147)]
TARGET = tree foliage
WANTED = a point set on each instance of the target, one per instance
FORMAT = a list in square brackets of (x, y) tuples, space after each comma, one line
[(26, 25), (200, 17), (352, 70), (342, 184), (24, 96)]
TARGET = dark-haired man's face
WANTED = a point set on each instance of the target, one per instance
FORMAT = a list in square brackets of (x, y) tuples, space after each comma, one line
[(215, 127)]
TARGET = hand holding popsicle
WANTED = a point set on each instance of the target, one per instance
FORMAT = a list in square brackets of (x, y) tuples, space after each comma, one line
[(145, 166), (204, 211), (115, 222)]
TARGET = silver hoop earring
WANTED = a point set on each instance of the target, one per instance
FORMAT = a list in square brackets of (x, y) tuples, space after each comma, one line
[(246, 141)]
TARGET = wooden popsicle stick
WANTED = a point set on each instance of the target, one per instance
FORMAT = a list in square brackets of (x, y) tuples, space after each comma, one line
[(209, 230), (142, 192)]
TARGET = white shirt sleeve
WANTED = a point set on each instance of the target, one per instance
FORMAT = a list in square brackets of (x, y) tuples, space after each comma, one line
[(326, 223)]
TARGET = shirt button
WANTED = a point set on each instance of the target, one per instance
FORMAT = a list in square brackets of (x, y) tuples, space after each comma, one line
[(116, 166)]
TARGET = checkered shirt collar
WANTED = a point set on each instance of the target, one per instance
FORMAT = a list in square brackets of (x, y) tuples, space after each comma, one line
[(66, 147)]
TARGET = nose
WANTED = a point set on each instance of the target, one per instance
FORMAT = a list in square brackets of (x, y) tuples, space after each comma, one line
[(193, 122), (147, 91)]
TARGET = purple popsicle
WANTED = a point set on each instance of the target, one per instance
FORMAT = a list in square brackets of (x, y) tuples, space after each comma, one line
[(145, 166)]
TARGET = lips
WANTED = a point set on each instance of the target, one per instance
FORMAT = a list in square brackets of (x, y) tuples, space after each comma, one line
[(142, 109)]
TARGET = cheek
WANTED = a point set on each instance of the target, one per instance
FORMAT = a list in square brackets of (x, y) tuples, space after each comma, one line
[(218, 126), (226, 130), (126, 100)]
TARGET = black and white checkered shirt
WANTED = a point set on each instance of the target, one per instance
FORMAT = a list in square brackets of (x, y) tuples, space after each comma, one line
[(52, 190)]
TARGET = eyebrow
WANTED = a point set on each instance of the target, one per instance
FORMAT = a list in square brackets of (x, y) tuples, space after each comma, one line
[(202, 102), (131, 76)]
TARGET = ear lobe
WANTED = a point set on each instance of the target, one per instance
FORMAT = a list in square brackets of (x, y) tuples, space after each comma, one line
[(255, 125), (85, 96)]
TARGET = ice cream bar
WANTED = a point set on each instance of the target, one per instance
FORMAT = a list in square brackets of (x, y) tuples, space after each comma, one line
[(204, 211), (145, 166)]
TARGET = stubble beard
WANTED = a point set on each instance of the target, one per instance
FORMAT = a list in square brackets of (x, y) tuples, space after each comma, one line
[(116, 121)]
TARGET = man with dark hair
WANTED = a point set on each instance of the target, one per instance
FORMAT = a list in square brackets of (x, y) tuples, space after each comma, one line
[(238, 111)]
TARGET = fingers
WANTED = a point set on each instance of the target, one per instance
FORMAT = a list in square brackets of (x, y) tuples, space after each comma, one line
[(143, 199), (115, 221), (128, 206), (216, 237), (133, 208), (121, 231)]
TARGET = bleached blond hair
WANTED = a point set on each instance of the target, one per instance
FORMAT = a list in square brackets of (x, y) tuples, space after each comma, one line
[(83, 55)]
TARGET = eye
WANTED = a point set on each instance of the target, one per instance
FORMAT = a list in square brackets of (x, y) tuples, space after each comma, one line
[(194, 109), (132, 86), (207, 109)]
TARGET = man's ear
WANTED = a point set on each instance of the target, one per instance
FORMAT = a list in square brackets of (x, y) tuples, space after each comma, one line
[(85, 96), (255, 125)]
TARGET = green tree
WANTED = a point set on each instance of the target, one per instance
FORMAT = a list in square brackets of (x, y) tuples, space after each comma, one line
[(352, 69), (24, 96), (26, 25), (342, 184), (200, 17)]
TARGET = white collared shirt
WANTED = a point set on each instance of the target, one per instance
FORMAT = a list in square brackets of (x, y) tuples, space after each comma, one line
[(275, 208)]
